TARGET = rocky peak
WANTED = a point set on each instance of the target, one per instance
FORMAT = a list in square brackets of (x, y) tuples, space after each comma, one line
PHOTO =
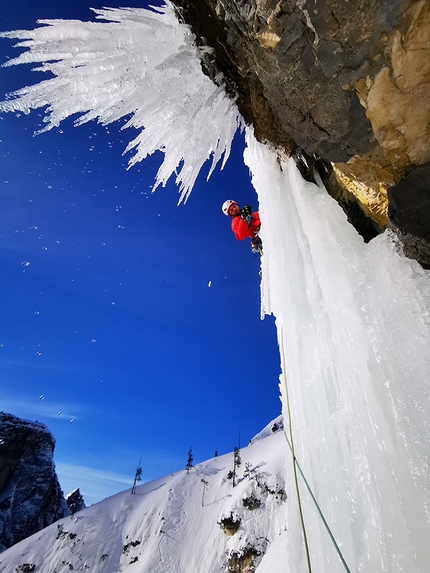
[(30, 495), (75, 501)]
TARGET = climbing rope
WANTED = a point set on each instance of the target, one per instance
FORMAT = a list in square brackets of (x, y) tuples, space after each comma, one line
[(291, 444), (296, 467)]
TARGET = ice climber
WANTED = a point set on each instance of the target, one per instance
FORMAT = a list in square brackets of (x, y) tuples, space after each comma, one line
[(244, 223)]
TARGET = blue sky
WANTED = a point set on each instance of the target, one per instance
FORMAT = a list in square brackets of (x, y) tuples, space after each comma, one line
[(129, 325)]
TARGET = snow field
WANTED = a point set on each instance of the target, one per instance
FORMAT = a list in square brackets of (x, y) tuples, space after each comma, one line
[(165, 527)]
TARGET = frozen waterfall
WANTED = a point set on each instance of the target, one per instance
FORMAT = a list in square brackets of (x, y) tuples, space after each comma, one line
[(353, 319), (353, 330)]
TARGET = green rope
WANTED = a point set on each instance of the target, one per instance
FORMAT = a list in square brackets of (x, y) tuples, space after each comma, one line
[(291, 444), (296, 466)]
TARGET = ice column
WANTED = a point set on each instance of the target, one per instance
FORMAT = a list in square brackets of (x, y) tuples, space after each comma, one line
[(353, 326)]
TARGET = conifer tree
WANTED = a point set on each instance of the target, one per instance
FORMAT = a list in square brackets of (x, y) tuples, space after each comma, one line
[(189, 461), (236, 463), (205, 483), (137, 477)]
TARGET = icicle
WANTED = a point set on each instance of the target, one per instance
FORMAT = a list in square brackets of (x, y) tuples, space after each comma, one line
[(139, 64)]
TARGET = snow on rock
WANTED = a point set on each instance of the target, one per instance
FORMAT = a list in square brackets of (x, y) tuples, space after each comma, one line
[(174, 523), (75, 501), (275, 425)]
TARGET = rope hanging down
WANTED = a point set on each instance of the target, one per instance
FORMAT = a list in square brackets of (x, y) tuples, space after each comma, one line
[(296, 467), (291, 444)]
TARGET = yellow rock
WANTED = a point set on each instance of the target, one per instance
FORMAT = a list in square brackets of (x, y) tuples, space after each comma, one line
[(268, 39), (397, 103)]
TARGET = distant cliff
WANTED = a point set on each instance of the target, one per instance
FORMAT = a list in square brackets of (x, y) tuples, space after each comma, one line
[(344, 83), (30, 495), (75, 501)]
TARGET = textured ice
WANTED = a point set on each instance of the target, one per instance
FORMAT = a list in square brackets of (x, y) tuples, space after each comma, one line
[(139, 64), (353, 330)]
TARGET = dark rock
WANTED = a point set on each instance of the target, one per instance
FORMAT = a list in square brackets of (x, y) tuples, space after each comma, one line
[(414, 247), (363, 224), (293, 31), (243, 560), (278, 426), (409, 213), (343, 82), (30, 495), (75, 501), (251, 502), (287, 62), (230, 524), (409, 203)]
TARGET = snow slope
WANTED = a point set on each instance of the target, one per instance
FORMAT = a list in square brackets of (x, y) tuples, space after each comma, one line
[(172, 524)]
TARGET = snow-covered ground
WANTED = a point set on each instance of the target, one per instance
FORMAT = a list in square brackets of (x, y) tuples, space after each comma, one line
[(173, 524), (353, 329)]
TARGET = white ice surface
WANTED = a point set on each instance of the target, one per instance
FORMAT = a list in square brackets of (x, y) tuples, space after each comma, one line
[(353, 329)]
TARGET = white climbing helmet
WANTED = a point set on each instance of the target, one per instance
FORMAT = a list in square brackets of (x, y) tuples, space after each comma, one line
[(226, 206)]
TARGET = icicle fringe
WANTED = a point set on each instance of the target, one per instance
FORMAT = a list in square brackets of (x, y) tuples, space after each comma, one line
[(142, 65)]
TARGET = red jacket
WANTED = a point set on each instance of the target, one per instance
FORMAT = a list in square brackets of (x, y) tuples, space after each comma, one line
[(241, 229)]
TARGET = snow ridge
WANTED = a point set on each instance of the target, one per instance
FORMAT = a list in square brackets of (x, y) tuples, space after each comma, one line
[(175, 523)]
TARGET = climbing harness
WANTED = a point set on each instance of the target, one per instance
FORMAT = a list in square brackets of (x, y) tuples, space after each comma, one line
[(257, 245), (296, 467)]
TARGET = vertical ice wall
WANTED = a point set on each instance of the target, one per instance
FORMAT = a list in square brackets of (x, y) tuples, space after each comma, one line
[(140, 64), (353, 327)]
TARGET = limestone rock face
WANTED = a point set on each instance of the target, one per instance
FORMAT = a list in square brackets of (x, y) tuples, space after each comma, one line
[(397, 103), (30, 495), (347, 81), (294, 64)]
